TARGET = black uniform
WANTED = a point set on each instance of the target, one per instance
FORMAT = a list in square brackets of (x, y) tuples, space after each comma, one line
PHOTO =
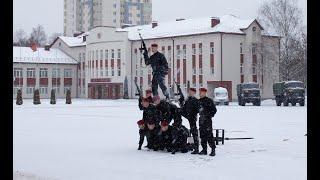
[(166, 139), (169, 112), (140, 104), (153, 138), (142, 134), (207, 111), (179, 139), (160, 68), (190, 110)]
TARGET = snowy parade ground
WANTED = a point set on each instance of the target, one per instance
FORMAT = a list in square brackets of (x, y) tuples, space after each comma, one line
[(98, 140)]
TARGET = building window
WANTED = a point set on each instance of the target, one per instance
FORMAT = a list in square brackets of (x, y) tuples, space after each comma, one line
[(242, 78), (101, 54), (106, 54), (241, 69), (56, 89), (106, 71), (97, 54), (194, 51), (56, 73), (241, 48), (83, 56), (17, 72), (30, 90), (43, 90), (178, 53), (43, 72), (112, 71), (112, 54), (101, 72), (254, 69), (119, 53), (31, 73), (141, 72), (67, 73), (200, 48), (254, 48)]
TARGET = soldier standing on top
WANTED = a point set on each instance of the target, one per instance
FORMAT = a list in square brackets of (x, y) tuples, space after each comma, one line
[(207, 112), (190, 110), (159, 66)]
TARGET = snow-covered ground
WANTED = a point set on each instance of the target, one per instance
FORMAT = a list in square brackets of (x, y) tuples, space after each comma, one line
[(97, 140)]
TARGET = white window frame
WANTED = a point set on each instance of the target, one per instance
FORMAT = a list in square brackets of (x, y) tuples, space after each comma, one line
[(112, 71), (241, 69), (43, 90), (112, 53), (212, 70), (67, 73), (194, 71), (194, 51), (101, 72), (43, 72), (31, 72), (30, 90), (178, 53), (212, 50), (101, 54), (254, 69), (119, 53), (200, 51), (200, 71), (106, 53), (97, 55), (18, 72), (184, 53), (56, 72)]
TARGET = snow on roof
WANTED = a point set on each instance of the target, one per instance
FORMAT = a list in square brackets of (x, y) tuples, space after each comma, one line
[(53, 56), (228, 24), (74, 41)]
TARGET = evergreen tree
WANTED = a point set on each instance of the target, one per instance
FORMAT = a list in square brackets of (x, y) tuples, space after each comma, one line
[(53, 97), (68, 97), (36, 97), (19, 100)]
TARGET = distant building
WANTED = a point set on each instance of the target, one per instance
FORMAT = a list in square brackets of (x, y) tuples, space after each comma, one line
[(43, 69), (83, 15), (201, 52)]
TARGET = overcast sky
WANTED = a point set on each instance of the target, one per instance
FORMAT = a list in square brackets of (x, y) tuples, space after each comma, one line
[(49, 13)]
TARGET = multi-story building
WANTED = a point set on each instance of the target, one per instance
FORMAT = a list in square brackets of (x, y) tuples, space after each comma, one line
[(202, 52), (83, 15), (44, 69)]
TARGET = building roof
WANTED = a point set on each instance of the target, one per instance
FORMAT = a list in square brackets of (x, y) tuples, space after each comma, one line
[(228, 24), (73, 41), (53, 56)]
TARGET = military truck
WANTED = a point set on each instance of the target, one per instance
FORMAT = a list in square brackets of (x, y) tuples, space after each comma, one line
[(249, 93), (289, 92)]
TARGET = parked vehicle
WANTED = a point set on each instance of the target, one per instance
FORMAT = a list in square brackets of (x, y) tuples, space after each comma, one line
[(220, 96), (249, 93), (289, 92)]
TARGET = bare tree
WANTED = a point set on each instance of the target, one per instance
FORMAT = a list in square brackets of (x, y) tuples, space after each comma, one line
[(20, 38), (283, 17), (38, 36), (54, 36)]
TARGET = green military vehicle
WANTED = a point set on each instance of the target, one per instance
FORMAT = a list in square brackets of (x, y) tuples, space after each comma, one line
[(248, 93), (289, 92)]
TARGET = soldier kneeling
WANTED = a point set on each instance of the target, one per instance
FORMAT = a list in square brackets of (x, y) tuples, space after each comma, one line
[(142, 132), (179, 135), (165, 136), (152, 134)]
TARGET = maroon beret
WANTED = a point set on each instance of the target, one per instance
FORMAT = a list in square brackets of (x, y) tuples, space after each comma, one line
[(203, 89), (164, 123), (140, 122), (154, 45), (193, 89)]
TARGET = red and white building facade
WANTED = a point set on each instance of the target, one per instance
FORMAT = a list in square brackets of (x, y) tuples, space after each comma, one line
[(203, 52), (43, 69)]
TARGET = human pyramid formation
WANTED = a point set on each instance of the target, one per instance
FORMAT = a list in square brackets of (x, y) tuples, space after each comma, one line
[(158, 114)]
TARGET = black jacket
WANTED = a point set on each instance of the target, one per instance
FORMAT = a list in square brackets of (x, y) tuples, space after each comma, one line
[(191, 108), (150, 113), (158, 63), (169, 112), (207, 107)]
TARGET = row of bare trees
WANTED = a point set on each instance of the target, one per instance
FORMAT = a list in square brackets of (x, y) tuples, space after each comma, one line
[(37, 35), (284, 18)]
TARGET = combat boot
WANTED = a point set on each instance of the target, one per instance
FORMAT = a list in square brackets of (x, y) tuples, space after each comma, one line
[(213, 152), (196, 151), (203, 152), (139, 148)]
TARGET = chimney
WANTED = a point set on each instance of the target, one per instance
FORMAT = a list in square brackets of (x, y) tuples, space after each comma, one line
[(214, 21), (34, 47), (84, 38), (154, 24), (47, 47), (180, 19)]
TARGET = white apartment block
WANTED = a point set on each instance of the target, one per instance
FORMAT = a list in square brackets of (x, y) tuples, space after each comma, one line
[(83, 15), (202, 52), (44, 69)]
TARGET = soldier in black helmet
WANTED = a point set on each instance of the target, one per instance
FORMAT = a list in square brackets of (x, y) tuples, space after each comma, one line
[(160, 68)]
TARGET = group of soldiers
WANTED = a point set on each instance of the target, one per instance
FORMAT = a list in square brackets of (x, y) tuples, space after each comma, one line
[(158, 114)]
